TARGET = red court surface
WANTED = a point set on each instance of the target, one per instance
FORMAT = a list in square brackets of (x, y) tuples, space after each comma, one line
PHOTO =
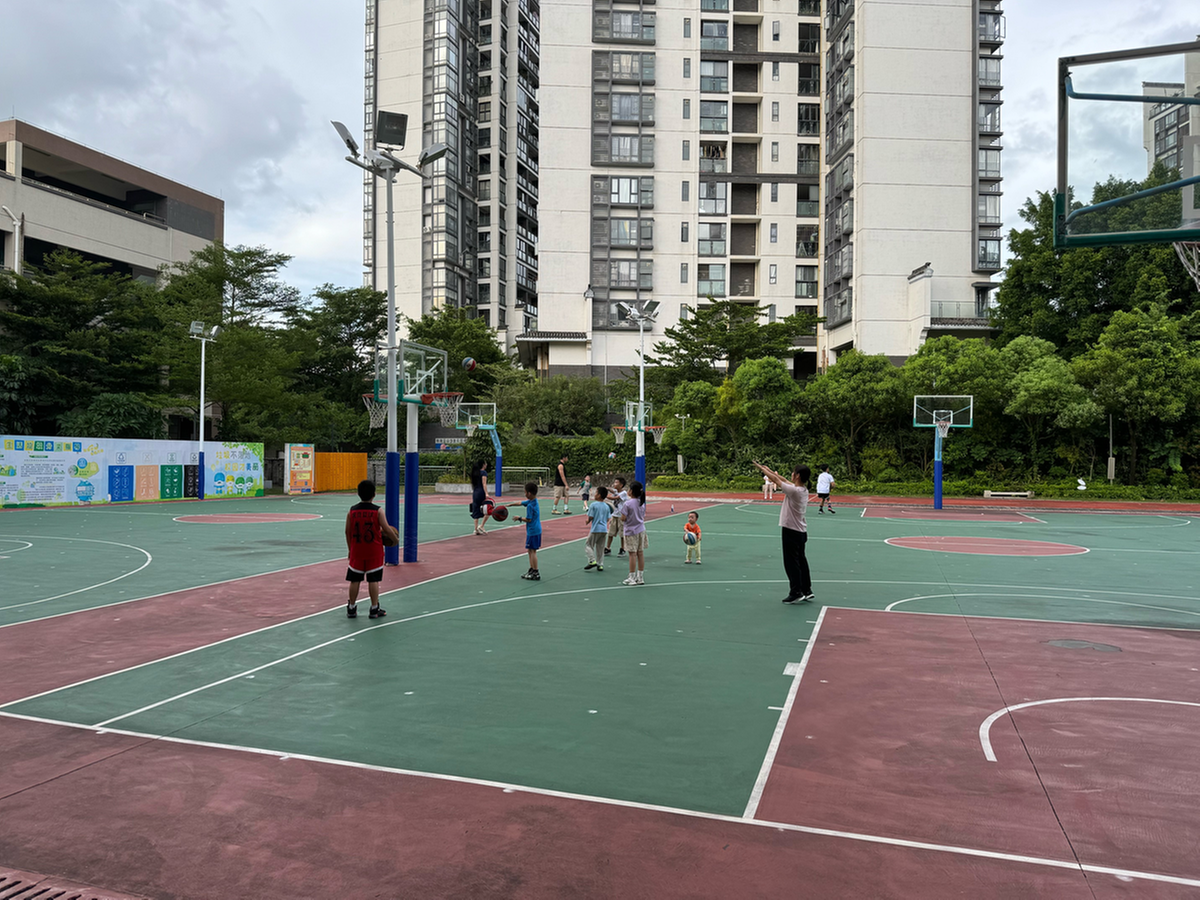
[(884, 739), (985, 546), (945, 515)]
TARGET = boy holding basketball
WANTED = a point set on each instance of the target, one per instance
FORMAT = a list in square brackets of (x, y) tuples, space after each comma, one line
[(365, 530), (615, 525), (533, 529), (691, 537)]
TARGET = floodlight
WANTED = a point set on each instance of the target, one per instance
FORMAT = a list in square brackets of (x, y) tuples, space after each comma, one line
[(347, 138), (215, 329), (197, 328), (432, 153), (391, 128)]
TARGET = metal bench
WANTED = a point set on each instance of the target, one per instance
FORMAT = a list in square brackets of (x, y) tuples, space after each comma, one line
[(990, 494)]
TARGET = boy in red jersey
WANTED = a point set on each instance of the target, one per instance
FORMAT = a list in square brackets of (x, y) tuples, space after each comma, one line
[(365, 527)]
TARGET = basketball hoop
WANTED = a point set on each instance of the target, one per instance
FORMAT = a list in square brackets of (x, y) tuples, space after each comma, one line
[(1189, 255), (619, 433), (657, 431), (470, 429), (446, 404), (376, 409), (942, 422)]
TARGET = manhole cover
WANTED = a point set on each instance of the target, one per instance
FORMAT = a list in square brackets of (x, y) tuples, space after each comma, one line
[(1068, 644)]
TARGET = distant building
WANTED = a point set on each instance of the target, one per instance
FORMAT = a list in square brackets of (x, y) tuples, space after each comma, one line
[(67, 195)]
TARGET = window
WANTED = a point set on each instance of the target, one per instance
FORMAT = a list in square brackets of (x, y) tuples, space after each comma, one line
[(625, 107), (989, 209), (683, 276), (714, 77), (808, 118), (772, 273), (989, 72), (485, 111), (687, 67), (774, 71), (631, 232), (627, 67), (624, 26), (807, 200), (808, 239), (710, 280), (687, 149), (683, 232), (775, 192), (710, 239), (989, 163), (685, 191), (774, 151), (687, 28), (684, 312), (806, 281), (808, 159), (713, 196), (630, 191), (630, 273), (714, 35), (989, 254), (809, 38), (774, 233), (774, 31), (687, 108), (714, 116), (623, 148), (810, 79), (774, 110), (989, 117)]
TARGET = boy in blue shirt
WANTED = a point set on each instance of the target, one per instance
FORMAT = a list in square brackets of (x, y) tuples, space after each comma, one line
[(598, 514), (533, 529)]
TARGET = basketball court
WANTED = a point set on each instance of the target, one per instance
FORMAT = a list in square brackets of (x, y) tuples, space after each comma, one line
[(189, 712)]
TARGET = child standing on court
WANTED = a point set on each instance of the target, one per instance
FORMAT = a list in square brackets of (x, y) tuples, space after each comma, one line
[(692, 528), (365, 527), (633, 517), (615, 525), (586, 490), (533, 529), (598, 514), (825, 484)]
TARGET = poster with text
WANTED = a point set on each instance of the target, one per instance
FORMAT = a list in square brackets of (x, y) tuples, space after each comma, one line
[(300, 462), (61, 471)]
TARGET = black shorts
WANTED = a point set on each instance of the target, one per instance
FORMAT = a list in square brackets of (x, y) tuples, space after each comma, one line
[(372, 577), (823, 496)]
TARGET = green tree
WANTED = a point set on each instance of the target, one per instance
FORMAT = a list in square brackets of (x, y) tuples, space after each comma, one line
[(1069, 297), (16, 412), (1145, 370), (461, 337), (757, 401), (859, 392), (725, 332), (114, 416), (555, 405), (231, 286)]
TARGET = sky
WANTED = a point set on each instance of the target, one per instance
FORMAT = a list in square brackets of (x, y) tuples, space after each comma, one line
[(234, 98)]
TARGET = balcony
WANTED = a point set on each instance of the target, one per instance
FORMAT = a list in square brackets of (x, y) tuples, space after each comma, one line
[(839, 308), (959, 309)]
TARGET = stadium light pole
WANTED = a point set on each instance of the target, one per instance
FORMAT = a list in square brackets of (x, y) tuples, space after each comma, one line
[(17, 228), (199, 334), (383, 164), (647, 312)]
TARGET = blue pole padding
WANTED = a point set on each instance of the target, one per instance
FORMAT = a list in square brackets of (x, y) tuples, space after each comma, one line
[(499, 461), (412, 496), (937, 470), (391, 502), (200, 492), (639, 469)]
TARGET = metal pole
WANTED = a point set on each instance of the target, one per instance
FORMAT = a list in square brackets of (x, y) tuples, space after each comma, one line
[(639, 463), (203, 347), (937, 469), (392, 465)]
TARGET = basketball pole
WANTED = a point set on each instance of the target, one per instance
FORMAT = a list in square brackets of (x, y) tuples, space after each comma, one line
[(937, 469), (391, 485)]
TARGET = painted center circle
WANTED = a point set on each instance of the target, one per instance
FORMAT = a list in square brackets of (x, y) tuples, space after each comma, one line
[(987, 546), (244, 518)]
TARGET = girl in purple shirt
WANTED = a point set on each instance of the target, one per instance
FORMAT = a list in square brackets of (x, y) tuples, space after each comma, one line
[(633, 514)]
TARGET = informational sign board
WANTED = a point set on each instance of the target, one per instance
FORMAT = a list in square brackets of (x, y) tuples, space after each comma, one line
[(300, 461), (65, 471)]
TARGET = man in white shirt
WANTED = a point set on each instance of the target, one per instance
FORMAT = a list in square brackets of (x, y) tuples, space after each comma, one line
[(824, 483), (794, 530)]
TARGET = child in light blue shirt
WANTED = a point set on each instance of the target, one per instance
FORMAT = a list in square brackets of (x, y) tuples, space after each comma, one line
[(598, 516)]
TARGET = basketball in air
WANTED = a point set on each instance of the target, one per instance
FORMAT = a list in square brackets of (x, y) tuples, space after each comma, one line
[(689, 538), (500, 513), (612, 454), (469, 364)]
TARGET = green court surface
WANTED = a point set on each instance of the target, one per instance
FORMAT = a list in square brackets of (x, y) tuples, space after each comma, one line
[(55, 561), (665, 694)]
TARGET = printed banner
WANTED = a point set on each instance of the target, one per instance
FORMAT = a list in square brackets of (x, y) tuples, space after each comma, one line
[(300, 459), (71, 471)]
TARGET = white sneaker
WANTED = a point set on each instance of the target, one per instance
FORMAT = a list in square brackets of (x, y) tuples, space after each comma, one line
[(632, 579), (639, 578)]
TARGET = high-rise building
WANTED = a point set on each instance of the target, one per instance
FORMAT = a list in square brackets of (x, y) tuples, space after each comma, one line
[(1169, 123), (465, 72), (912, 171)]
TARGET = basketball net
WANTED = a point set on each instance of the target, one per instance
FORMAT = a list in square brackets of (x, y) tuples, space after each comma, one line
[(376, 409), (941, 421), (619, 433), (1189, 255), (446, 405), (657, 431)]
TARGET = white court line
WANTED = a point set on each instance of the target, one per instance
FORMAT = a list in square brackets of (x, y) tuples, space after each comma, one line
[(937, 549), (862, 837), (1081, 622), (149, 559), (797, 673), (1012, 596), (18, 549), (985, 738)]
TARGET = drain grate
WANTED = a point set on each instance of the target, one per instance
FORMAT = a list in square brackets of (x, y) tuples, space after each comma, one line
[(18, 885), (1065, 643)]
